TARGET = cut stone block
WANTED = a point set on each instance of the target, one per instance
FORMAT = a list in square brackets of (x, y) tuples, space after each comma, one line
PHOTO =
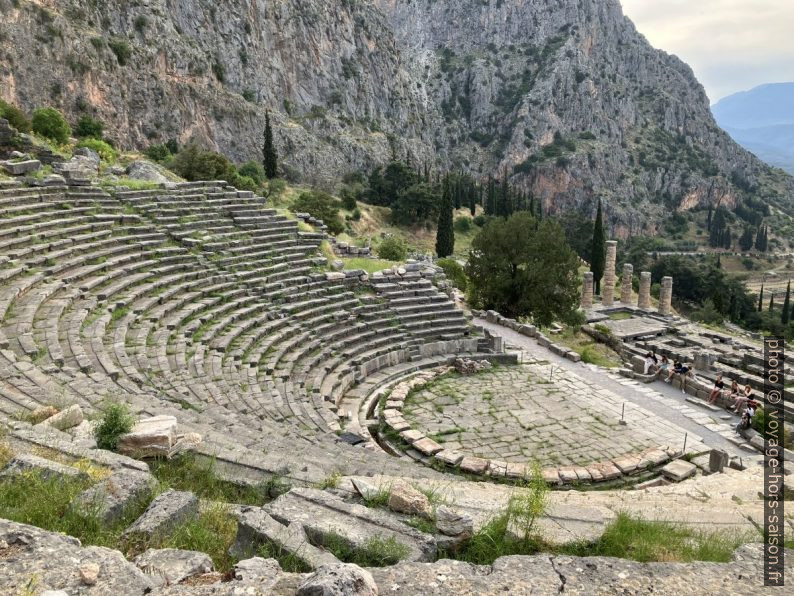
[(65, 419), (718, 459), (343, 579), (109, 498), (26, 463), (473, 465), (678, 470), (166, 512), (256, 528), (171, 565), (19, 168), (404, 498), (151, 437), (453, 522), (321, 515), (427, 446), (449, 457)]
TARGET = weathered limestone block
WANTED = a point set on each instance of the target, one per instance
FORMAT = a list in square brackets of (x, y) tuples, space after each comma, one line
[(343, 579), (321, 515), (20, 168), (65, 419), (144, 170), (453, 522), (151, 437), (170, 566), (24, 463), (109, 498), (42, 413), (404, 498), (167, 511), (55, 560), (718, 460), (678, 470), (255, 528)]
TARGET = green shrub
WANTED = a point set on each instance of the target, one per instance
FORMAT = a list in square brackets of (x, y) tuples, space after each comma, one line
[(276, 188), (50, 123), (88, 127), (322, 206), (193, 163), (480, 220), (121, 49), (253, 170), (350, 194), (105, 151), (356, 215), (116, 421), (463, 224), (454, 272), (158, 153), (392, 248), (15, 116)]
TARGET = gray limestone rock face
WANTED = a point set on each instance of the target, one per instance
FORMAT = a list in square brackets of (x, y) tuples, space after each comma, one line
[(322, 515), (47, 468), (55, 561), (339, 580), (170, 566), (167, 511), (111, 497)]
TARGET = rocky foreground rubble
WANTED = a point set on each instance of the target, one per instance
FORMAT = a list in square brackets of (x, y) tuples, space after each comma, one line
[(48, 563)]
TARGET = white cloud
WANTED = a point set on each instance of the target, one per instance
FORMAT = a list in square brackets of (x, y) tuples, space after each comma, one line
[(732, 45)]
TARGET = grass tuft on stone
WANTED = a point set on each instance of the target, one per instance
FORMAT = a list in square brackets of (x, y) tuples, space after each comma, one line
[(377, 552), (213, 532), (631, 538)]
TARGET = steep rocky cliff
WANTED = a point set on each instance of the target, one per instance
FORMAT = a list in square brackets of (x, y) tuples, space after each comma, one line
[(563, 95)]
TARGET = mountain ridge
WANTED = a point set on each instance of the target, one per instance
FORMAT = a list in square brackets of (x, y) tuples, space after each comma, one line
[(566, 98)]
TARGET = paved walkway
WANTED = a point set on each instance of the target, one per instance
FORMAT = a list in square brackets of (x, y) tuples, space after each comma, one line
[(663, 401)]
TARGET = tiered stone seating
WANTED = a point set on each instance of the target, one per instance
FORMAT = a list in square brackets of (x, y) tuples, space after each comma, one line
[(202, 297)]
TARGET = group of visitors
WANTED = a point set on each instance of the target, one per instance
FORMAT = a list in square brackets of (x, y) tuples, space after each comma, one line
[(743, 401), (661, 367)]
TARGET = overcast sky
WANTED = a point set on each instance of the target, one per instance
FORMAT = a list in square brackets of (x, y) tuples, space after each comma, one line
[(732, 45)]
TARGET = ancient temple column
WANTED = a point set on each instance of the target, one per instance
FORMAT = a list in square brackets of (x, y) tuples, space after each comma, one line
[(666, 296), (644, 301), (625, 291), (587, 291), (608, 292)]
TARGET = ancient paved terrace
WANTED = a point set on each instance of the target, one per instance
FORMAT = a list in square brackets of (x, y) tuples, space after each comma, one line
[(525, 413)]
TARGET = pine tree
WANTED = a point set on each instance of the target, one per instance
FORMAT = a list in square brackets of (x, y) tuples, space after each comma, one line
[(598, 250), (746, 239), (445, 235), (761, 299), (269, 154), (786, 315)]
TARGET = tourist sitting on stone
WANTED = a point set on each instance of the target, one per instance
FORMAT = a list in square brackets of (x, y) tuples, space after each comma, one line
[(650, 364), (719, 385), (682, 370), (747, 417), (741, 400), (734, 390), (664, 367)]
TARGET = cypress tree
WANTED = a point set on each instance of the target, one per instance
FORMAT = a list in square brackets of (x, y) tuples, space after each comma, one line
[(473, 192), (772, 303), (785, 317), (761, 299), (445, 235), (598, 250), (269, 154)]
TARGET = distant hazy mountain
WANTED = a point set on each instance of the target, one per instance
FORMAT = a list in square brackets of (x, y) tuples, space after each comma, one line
[(762, 120)]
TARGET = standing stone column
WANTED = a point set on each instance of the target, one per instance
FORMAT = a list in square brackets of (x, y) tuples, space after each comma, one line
[(666, 296), (587, 291), (645, 291), (608, 294), (625, 291)]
